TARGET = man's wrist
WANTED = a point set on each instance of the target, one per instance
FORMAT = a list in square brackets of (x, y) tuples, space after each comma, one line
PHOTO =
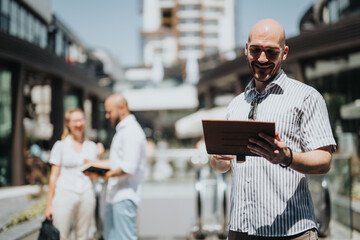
[(290, 160)]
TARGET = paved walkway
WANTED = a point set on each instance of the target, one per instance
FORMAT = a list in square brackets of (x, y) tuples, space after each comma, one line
[(161, 198), (14, 200)]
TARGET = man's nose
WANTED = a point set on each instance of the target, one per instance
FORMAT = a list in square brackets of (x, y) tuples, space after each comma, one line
[(262, 57)]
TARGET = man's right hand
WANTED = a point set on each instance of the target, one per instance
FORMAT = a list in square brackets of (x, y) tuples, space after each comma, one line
[(92, 175), (221, 163)]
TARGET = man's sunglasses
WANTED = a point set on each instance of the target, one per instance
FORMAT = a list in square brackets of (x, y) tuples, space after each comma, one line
[(271, 53), (252, 113)]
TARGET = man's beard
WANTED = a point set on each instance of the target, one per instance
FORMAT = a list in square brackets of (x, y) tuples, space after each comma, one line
[(266, 74), (116, 121)]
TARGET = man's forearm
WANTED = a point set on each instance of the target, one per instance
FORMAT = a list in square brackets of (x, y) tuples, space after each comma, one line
[(118, 172), (314, 162), (102, 163), (115, 173)]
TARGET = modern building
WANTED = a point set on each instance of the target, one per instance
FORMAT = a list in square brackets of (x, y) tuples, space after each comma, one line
[(178, 30), (44, 69)]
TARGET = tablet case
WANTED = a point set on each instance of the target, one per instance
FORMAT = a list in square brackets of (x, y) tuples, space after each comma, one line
[(90, 168), (228, 137)]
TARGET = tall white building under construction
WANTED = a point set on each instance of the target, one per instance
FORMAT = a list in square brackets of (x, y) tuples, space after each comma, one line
[(179, 30)]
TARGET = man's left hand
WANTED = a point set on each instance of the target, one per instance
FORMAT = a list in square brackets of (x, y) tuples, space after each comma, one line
[(273, 149)]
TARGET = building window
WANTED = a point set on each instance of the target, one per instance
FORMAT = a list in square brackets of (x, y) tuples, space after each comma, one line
[(17, 21), (30, 28), (190, 47), (5, 126), (190, 34), (59, 44), (5, 19), (211, 50), (166, 18), (21, 32), (14, 19), (189, 20), (211, 22), (189, 7), (213, 10), (211, 35), (71, 100), (44, 36), (25, 25), (37, 32)]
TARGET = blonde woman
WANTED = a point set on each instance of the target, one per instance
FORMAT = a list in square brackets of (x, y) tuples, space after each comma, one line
[(71, 195)]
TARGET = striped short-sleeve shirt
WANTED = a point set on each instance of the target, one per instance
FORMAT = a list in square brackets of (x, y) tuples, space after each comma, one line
[(266, 199)]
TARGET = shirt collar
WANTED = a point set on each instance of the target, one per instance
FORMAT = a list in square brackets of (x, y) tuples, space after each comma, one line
[(67, 139), (125, 122), (251, 92)]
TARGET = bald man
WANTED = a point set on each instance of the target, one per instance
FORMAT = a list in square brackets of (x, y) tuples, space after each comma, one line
[(270, 198), (127, 163)]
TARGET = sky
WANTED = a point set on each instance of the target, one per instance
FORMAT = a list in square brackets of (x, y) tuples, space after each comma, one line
[(114, 25)]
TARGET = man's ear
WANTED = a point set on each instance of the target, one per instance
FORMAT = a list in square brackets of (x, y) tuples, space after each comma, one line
[(246, 49), (286, 50)]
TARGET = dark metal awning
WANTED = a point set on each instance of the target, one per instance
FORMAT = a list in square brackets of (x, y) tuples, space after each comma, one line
[(47, 63)]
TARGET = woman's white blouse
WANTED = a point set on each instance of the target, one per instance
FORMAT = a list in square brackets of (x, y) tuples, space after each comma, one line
[(71, 177)]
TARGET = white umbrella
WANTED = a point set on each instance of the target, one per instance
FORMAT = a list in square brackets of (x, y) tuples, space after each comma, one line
[(191, 125)]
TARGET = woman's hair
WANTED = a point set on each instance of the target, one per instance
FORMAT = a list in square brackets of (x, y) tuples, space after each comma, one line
[(66, 131)]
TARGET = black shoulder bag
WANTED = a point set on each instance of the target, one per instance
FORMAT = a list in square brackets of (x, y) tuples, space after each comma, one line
[(48, 231)]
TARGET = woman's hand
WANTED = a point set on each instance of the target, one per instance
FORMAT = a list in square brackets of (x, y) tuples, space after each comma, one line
[(48, 212)]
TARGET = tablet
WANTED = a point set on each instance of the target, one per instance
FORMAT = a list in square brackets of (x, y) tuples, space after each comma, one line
[(227, 137)]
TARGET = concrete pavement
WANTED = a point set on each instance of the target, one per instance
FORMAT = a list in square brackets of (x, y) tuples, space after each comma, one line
[(166, 213), (14, 200)]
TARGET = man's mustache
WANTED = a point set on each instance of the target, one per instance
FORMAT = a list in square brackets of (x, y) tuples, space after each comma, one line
[(263, 64)]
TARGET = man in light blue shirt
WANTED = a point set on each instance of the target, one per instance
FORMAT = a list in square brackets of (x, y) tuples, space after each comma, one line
[(127, 163)]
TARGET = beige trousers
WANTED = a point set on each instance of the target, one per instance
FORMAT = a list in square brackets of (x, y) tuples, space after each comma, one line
[(69, 207)]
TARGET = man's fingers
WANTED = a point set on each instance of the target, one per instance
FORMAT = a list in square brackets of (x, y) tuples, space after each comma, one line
[(267, 138), (255, 143), (223, 157)]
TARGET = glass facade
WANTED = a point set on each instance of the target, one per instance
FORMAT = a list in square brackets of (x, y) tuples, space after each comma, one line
[(60, 44), (335, 10), (5, 126), (20, 22), (40, 126), (336, 78), (71, 100)]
